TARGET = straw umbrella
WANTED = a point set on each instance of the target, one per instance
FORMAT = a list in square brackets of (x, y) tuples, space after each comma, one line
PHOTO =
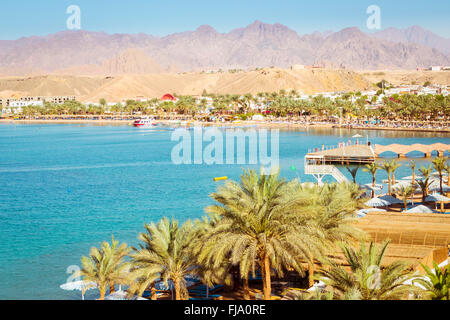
[(435, 188), (391, 199), (377, 202), (420, 209), (81, 285), (436, 197)]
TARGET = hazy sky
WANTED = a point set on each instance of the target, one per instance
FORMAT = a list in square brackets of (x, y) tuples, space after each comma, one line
[(20, 18)]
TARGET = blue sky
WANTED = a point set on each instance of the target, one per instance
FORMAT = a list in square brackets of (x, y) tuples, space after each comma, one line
[(20, 18)]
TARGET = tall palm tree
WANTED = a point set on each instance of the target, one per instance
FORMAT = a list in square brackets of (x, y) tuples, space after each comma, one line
[(209, 273), (165, 254), (257, 229), (437, 284), (387, 166), (412, 165), (425, 183), (368, 278), (406, 192), (447, 170), (274, 224), (439, 165), (106, 266), (372, 168), (395, 166)]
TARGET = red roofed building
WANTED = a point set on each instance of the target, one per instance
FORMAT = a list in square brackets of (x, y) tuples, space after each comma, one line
[(168, 97)]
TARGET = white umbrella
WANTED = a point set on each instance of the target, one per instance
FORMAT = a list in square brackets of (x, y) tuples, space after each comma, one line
[(371, 187), (377, 202), (437, 188), (409, 178), (81, 285), (400, 184), (420, 209), (436, 197), (357, 136), (122, 295), (391, 199)]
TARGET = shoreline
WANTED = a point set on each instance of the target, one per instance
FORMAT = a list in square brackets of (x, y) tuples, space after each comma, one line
[(283, 125)]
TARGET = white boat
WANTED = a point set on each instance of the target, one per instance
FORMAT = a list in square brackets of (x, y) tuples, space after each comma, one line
[(144, 123)]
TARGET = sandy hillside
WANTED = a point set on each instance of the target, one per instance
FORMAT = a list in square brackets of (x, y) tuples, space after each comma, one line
[(120, 87), (399, 77)]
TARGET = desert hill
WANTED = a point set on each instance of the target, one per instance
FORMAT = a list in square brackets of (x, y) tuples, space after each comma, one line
[(405, 77), (117, 88)]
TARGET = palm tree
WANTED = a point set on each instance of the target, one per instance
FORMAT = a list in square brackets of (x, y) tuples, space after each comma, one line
[(395, 166), (439, 165), (387, 166), (437, 285), (258, 229), (372, 168), (425, 183), (353, 172), (367, 278), (274, 224), (412, 165), (406, 192), (447, 170), (165, 254), (106, 266)]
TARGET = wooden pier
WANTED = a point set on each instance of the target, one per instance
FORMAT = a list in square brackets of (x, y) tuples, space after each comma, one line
[(350, 154), (366, 153)]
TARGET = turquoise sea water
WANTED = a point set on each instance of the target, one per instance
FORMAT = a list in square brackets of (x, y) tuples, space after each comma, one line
[(65, 188)]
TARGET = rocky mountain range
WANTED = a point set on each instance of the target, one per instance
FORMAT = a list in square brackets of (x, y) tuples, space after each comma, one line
[(415, 34), (257, 45)]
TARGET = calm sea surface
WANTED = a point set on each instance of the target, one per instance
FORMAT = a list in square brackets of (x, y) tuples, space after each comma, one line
[(65, 188)]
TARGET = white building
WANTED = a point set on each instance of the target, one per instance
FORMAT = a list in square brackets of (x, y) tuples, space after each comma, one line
[(436, 68), (20, 103)]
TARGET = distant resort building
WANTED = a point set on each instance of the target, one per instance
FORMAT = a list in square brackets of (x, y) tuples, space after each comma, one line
[(15, 104), (436, 68), (297, 67)]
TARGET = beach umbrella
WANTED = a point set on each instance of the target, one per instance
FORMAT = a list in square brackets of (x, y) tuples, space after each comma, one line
[(436, 197), (437, 188), (400, 184), (409, 178), (420, 209), (377, 202), (391, 199), (122, 295), (357, 136), (81, 285), (371, 187)]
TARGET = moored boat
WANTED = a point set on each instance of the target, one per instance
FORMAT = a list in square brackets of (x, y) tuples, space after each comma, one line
[(144, 123)]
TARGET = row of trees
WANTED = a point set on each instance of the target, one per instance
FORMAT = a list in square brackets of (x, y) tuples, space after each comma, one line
[(398, 107), (263, 223), (439, 164)]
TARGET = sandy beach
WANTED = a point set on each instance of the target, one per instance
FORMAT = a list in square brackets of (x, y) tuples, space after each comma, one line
[(263, 124)]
